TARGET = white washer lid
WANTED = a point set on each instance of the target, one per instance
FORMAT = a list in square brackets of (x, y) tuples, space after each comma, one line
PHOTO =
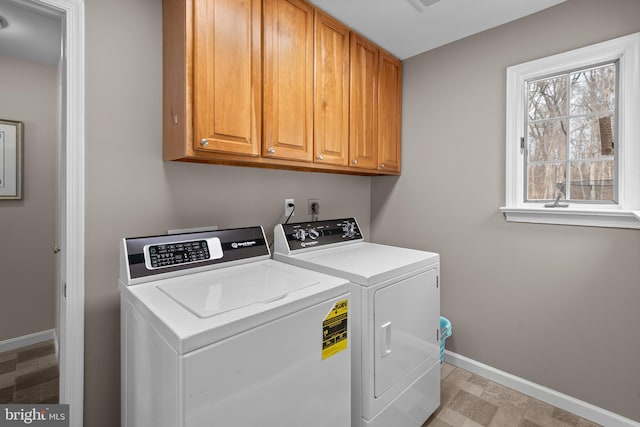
[(207, 296)]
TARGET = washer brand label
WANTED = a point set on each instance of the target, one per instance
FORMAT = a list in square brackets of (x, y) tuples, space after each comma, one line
[(305, 244), (334, 329), (236, 245)]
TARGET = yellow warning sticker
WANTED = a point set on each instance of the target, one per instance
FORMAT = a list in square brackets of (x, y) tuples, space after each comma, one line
[(334, 329)]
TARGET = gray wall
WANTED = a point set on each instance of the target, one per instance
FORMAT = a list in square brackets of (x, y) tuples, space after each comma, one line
[(131, 191), (557, 305), (27, 281)]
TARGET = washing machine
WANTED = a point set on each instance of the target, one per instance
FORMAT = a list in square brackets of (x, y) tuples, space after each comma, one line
[(215, 333), (395, 312)]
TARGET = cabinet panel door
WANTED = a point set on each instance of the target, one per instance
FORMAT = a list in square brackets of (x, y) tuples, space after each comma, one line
[(227, 76), (389, 112), (288, 80), (363, 143), (331, 95)]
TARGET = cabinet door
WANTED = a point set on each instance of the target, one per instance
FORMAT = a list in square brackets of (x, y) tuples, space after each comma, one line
[(389, 112), (227, 76), (363, 143), (288, 80), (331, 91)]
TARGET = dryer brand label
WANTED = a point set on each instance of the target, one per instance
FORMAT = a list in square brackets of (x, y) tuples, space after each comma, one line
[(334, 329)]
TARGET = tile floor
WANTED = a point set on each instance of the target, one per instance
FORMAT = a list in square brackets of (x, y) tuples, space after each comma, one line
[(468, 400), (29, 374)]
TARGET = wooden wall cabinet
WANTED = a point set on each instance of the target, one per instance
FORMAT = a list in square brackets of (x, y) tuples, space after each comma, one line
[(376, 102), (288, 80), (363, 146), (331, 91), (389, 112), (216, 105), (278, 84)]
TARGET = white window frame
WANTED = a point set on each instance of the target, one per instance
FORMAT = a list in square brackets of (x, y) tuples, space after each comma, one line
[(624, 214)]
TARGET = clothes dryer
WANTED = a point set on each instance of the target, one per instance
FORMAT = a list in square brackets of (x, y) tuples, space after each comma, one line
[(395, 307), (215, 333)]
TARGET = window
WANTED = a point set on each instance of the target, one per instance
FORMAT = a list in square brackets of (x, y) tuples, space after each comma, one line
[(573, 137)]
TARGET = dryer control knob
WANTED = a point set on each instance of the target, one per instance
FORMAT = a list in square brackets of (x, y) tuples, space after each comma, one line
[(313, 233)]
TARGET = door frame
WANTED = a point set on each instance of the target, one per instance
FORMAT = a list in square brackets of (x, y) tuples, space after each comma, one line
[(72, 168)]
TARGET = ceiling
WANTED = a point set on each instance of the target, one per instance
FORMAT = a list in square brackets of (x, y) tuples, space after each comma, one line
[(403, 27), (33, 32), (407, 27)]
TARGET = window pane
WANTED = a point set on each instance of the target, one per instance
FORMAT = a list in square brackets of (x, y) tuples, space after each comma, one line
[(592, 180), (547, 141), (547, 98), (593, 91), (545, 180), (585, 142)]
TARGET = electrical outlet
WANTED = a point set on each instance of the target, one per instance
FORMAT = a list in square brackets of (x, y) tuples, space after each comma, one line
[(313, 202), (289, 210)]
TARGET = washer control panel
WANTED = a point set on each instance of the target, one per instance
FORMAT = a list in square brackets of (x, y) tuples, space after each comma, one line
[(174, 253), (320, 233), (145, 257)]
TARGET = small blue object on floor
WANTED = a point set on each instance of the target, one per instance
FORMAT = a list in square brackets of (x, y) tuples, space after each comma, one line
[(445, 332)]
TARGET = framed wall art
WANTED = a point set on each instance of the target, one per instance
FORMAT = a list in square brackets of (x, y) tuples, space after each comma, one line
[(10, 160)]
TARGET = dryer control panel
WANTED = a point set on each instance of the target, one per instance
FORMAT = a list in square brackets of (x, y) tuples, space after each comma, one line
[(320, 233)]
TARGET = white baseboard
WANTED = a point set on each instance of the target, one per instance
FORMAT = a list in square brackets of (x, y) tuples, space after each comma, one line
[(25, 340), (552, 397)]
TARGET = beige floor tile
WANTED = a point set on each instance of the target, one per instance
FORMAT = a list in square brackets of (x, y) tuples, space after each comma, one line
[(12, 355), (501, 395), (47, 361), (539, 407), (462, 406), (507, 416), (528, 423), (7, 379), (26, 368), (451, 417), (473, 407), (471, 423), (445, 370), (460, 379), (587, 423), (435, 422)]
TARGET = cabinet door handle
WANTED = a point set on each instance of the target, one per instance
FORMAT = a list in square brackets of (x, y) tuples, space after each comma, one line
[(204, 142), (382, 165), (271, 150), (386, 339), (320, 157), (355, 161)]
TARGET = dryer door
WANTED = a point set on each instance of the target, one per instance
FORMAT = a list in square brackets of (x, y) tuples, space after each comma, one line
[(406, 317)]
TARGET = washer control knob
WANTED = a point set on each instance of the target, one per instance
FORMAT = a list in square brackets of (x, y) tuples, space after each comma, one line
[(313, 233), (349, 229), (300, 234)]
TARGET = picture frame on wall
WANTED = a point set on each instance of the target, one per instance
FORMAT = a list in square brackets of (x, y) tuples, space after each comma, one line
[(11, 153)]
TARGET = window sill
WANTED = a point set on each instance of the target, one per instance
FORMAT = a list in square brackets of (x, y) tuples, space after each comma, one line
[(574, 216)]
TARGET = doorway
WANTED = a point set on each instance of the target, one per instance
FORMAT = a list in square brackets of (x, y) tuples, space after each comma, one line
[(70, 220)]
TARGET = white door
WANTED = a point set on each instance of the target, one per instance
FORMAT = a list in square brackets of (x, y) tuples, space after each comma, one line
[(407, 321)]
